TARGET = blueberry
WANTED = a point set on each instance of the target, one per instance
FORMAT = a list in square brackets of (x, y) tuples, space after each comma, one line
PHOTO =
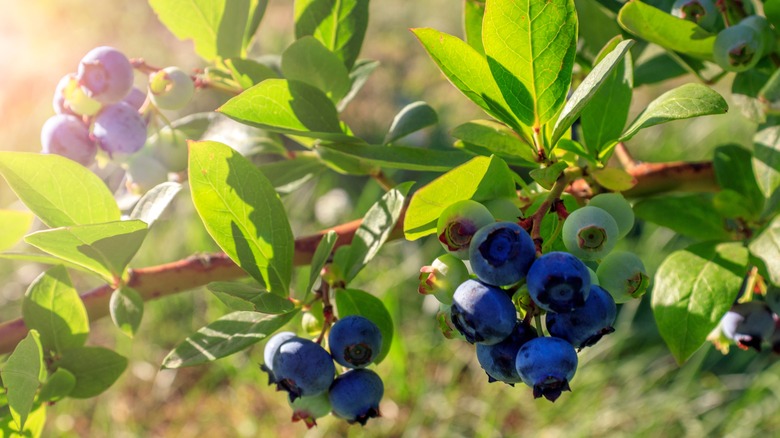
[(617, 207), (144, 172), (586, 324), (501, 253), (309, 409), (442, 277), (169, 146), (105, 74), (119, 129), (590, 233), (458, 223), (69, 98), (738, 48), (498, 360), (135, 98), (623, 275), (702, 12), (748, 324), (355, 395), (171, 88), (271, 348), (67, 135), (547, 364), (504, 209), (302, 368), (354, 341), (558, 282), (761, 25), (482, 313)]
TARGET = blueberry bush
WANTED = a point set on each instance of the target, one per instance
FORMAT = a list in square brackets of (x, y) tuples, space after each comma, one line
[(538, 205)]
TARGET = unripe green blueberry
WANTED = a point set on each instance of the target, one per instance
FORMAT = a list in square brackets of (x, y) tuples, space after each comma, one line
[(170, 147), (620, 210), (311, 324), (594, 278), (69, 97), (144, 172), (590, 233), (309, 409), (623, 275), (503, 209), (171, 88), (702, 12), (761, 25), (442, 277), (458, 223), (738, 48)]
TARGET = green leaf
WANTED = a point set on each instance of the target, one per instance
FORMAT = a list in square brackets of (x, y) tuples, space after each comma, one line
[(410, 119), (33, 427), (766, 157), (345, 164), (95, 369), (745, 91), (734, 171), (289, 107), (401, 157), (480, 179), (614, 179), (258, 299), (59, 191), (772, 12), (473, 13), (152, 204), (242, 213), (248, 72), (546, 176), (59, 384), (693, 289), (377, 224), (216, 27), (495, 138), (530, 47), (256, 12), (20, 376), (225, 336), (247, 140), (360, 73), (320, 257), (605, 116), (588, 89), (662, 28), (694, 215), (766, 246), (307, 60), (52, 306), (600, 27), (104, 249), (683, 102), (289, 175), (358, 302), (14, 224), (126, 308), (339, 25), (43, 259), (469, 72)]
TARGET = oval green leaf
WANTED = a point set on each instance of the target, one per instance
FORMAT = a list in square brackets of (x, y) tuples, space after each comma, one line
[(14, 224), (126, 308), (307, 60), (20, 376), (412, 118), (694, 215), (95, 369)]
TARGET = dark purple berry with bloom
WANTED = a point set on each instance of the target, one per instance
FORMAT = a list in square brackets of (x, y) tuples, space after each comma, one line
[(105, 74), (135, 98), (354, 341), (558, 282), (302, 368), (498, 360), (119, 129), (586, 324), (355, 395), (458, 223), (67, 135), (482, 313), (501, 253), (748, 324), (547, 365)]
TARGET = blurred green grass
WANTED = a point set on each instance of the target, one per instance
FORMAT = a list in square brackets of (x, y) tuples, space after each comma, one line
[(628, 385)]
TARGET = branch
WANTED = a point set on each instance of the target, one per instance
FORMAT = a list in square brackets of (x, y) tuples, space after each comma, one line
[(196, 271)]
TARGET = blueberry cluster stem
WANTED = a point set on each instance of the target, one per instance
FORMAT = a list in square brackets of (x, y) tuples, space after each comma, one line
[(560, 185)]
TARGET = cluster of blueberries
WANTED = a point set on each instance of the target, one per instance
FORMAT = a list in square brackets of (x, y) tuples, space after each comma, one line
[(305, 370), (98, 108), (751, 324), (579, 303), (738, 47)]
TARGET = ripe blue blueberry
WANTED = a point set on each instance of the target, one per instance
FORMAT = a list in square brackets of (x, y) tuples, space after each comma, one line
[(498, 360), (501, 253), (482, 313), (354, 341), (302, 368), (748, 324), (547, 364), (458, 223), (67, 135), (105, 74), (558, 282), (586, 324), (355, 395), (119, 129), (270, 350)]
